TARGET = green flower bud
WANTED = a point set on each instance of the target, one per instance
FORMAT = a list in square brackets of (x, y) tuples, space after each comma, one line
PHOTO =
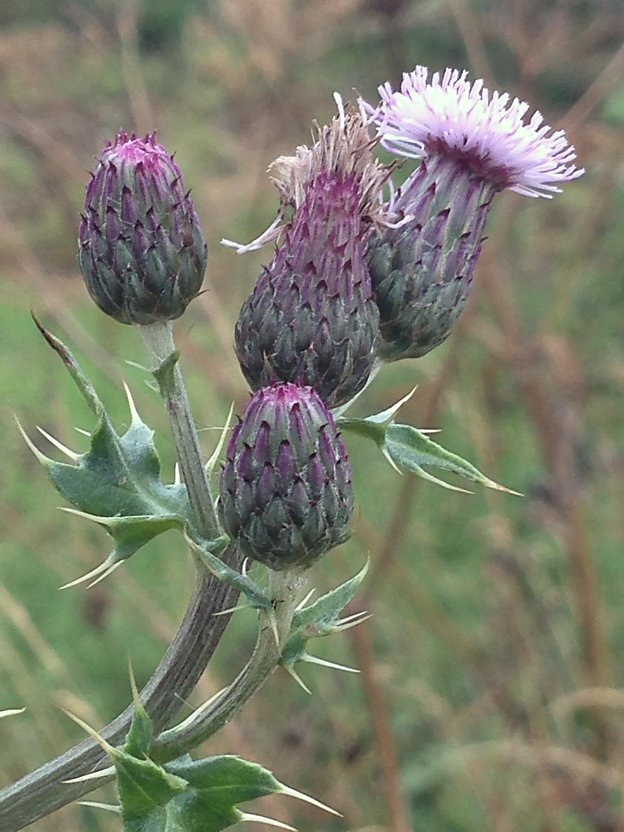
[(141, 250), (285, 490)]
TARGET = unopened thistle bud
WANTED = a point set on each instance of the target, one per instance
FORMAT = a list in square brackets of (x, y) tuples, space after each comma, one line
[(472, 144), (285, 492), (141, 250), (311, 318)]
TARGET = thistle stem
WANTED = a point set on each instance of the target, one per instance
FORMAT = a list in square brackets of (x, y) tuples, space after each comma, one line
[(284, 588), (44, 791), (158, 340)]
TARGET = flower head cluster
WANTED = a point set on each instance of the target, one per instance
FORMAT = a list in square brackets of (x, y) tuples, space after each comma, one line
[(141, 250), (353, 280)]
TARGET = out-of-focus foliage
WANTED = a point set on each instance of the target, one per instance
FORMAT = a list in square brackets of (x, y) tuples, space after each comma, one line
[(492, 690)]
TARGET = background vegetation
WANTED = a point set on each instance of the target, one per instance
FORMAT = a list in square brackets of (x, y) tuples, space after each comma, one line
[(492, 687)]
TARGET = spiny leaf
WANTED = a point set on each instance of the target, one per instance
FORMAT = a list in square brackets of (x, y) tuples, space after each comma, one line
[(185, 795), (141, 732), (226, 780), (322, 618), (206, 550), (116, 483), (410, 449), (143, 785), (325, 611)]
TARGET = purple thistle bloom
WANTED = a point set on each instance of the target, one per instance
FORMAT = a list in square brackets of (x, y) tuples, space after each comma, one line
[(311, 318), (285, 492), (472, 144), (141, 250)]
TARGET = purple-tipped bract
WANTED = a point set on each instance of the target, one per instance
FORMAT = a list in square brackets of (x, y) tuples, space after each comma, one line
[(285, 493), (311, 317), (141, 250)]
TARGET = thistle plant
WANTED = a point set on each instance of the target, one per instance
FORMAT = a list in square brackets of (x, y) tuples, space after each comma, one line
[(357, 278)]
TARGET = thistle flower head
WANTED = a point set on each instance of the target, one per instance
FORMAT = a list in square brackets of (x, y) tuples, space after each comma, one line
[(487, 132), (285, 491), (141, 251), (472, 144), (311, 318)]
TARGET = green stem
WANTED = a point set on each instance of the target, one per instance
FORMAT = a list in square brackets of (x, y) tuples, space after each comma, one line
[(44, 791), (158, 339), (284, 589)]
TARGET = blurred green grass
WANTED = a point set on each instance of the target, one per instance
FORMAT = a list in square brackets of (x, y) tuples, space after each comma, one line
[(492, 675)]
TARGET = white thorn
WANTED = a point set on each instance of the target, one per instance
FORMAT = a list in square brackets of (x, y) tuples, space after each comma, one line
[(233, 609), (12, 712), (42, 458), (302, 604), (391, 461), (62, 448), (108, 807), (92, 574), (138, 366), (94, 775), (136, 700), (105, 746), (497, 487), (134, 413), (247, 818), (297, 678), (307, 799), (214, 458), (245, 567), (324, 663), (346, 624), (85, 516), (349, 618), (108, 572), (177, 478), (83, 432), (273, 625), (388, 414), (191, 717)]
